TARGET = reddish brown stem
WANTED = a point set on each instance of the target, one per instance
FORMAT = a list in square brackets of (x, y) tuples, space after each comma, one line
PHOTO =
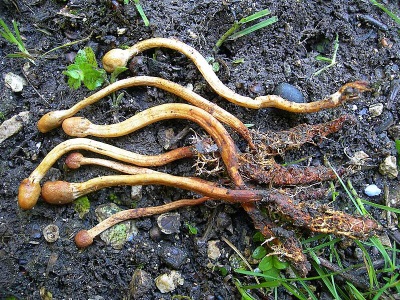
[(62, 192)]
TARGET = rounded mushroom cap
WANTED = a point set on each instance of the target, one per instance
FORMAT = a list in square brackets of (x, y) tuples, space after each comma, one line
[(83, 239), (115, 58), (73, 161), (28, 194), (50, 121), (76, 126), (57, 192)]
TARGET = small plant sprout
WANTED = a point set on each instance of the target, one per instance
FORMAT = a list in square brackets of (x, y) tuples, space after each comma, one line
[(332, 60), (192, 228), (15, 39), (140, 10), (233, 33), (85, 70)]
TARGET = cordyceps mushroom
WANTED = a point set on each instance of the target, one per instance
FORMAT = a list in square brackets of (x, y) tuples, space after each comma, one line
[(54, 119), (84, 238), (119, 58), (29, 189), (76, 126), (62, 192)]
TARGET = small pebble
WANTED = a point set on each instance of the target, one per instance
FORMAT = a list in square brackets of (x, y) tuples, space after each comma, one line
[(223, 220), (169, 223), (289, 92), (213, 251), (173, 256), (376, 110), (13, 125), (15, 82), (136, 192), (155, 234), (394, 132), (169, 281), (256, 88), (35, 232), (140, 284), (372, 190), (117, 235), (51, 233), (359, 158), (389, 167)]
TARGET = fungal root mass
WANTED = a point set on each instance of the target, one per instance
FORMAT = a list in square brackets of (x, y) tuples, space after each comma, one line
[(280, 200)]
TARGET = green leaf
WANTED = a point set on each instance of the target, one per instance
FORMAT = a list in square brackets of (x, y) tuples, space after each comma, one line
[(74, 83), (266, 263), (80, 57), (258, 237), (90, 56), (259, 252), (93, 78), (116, 73), (280, 265), (397, 143), (274, 273)]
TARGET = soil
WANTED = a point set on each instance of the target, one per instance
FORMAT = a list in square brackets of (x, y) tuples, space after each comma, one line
[(30, 267)]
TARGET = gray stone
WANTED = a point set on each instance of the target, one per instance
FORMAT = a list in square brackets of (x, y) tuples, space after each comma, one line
[(173, 256), (13, 125), (136, 192), (289, 92), (376, 109), (169, 223), (15, 82), (389, 167), (213, 252), (117, 235), (169, 281), (140, 284)]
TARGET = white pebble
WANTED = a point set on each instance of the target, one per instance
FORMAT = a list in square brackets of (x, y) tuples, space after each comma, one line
[(13, 125), (213, 251), (14, 82), (372, 190), (168, 282), (376, 109)]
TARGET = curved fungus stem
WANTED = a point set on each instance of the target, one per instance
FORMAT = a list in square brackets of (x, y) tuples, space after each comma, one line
[(75, 160), (62, 192), (84, 238), (119, 58), (29, 189), (54, 119), (82, 127)]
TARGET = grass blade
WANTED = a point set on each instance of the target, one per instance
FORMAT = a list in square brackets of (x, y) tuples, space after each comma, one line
[(380, 206), (253, 28), (141, 13), (7, 34), (255, 16), (18, 37)]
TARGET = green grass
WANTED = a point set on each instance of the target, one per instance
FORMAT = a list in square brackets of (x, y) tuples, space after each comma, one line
[(381, 283), (332, 60), (140, 10), (233, 33), (15, 39)]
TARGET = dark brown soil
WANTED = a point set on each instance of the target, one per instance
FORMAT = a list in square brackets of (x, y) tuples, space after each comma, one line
[(283, 52)]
